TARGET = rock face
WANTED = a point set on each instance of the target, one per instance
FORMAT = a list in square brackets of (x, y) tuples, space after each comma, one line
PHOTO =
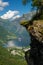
[(34, 56), (36, 30)]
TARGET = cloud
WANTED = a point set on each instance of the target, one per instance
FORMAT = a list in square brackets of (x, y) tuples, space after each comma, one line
[(11, 15), (15, 17), (10, 44), (3, 4)]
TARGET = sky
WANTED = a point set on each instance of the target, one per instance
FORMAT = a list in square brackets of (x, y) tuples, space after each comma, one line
[(13, 8)]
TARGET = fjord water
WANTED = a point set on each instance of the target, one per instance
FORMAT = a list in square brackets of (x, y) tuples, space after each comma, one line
[(22, 40)]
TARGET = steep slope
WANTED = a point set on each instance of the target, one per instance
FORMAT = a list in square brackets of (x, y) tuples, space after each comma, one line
[(34, 56), (5, 35), (36, 29)]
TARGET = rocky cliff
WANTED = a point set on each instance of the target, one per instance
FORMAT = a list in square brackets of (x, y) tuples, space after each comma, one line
[(34, 56)]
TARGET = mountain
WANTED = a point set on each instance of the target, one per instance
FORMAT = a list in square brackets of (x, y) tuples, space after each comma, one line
[(11, 32), (5, 35), (9, 57), (35, 28), (14, 27)]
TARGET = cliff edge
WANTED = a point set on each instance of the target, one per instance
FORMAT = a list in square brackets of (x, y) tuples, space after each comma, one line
[(34, 56), (36, 29)]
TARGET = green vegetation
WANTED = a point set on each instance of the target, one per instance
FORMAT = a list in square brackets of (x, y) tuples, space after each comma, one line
[(7, 59), (24, 22), (35, 3), (38, 6)]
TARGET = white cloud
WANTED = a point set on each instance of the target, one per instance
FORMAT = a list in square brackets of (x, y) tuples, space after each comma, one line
[(17, 16), (10, 44), (11, 15), (3, 4)]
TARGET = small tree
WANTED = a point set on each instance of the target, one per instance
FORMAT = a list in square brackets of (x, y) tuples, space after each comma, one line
[(38, 4)]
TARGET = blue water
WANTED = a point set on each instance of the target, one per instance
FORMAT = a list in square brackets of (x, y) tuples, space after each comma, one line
[(20, 42), (23, 40)]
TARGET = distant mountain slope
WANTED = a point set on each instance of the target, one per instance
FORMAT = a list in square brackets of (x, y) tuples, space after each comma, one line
[(5, 35), (14, 25), (15, 28)]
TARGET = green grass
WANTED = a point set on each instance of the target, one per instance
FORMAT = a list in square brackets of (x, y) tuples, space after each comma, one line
[(7, 59)]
